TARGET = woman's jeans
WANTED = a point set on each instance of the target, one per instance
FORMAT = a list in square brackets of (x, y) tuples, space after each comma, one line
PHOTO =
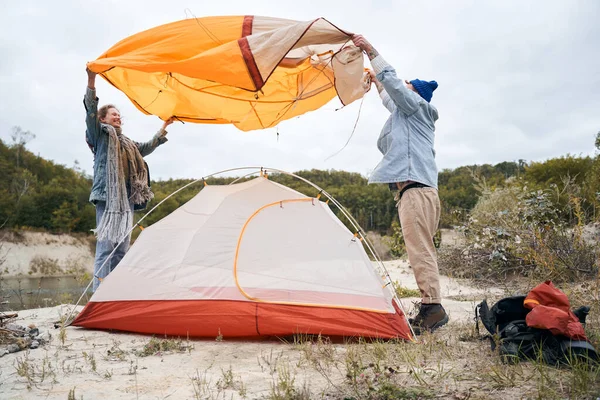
[(103, 250)]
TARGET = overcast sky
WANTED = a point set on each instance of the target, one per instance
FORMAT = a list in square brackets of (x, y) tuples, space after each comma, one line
[(517, 80)]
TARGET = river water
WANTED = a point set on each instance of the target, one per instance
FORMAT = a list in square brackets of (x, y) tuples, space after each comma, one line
[(19, 293)]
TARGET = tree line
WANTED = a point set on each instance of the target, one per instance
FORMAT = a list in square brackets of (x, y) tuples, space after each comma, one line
[(36, 193)]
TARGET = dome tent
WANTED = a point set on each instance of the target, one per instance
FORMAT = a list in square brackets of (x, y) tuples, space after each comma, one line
[(245, 260)]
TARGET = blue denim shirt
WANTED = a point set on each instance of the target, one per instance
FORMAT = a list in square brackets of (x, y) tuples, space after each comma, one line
[(96, 136), (407, 138)]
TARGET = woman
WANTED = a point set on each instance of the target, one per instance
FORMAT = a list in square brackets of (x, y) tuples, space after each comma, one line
[(121, 180)]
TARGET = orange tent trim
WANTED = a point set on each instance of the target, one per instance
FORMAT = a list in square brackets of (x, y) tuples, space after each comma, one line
[(238, 319)]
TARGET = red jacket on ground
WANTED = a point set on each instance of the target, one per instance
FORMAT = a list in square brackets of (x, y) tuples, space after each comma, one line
[(550, 309)]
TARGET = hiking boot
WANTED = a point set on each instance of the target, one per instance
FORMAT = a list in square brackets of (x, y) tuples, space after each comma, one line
[(430, 317)]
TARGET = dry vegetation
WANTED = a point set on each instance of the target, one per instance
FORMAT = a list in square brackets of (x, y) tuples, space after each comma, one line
[(516, 232), (452, 363)]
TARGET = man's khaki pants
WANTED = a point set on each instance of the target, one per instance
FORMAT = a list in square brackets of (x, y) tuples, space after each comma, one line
[(419, 211)]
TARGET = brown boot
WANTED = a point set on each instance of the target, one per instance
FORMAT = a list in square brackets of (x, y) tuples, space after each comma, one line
[(430, 317)]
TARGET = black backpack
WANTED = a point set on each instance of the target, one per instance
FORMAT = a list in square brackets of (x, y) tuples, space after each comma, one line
[(515, 341)]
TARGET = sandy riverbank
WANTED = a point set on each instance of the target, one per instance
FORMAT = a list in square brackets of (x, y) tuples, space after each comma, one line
[(99, 364)]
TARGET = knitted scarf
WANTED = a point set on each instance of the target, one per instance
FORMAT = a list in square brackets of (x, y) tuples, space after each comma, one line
[(124, 167)]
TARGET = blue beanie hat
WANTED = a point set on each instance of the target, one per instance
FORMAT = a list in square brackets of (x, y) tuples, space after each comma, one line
[(424, 88)]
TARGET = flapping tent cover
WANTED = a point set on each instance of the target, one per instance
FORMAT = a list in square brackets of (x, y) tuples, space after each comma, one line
[(245, 260), (250, 71)]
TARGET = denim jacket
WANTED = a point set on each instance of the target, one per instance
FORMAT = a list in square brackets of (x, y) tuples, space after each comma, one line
[(96, 136), (407, 138)]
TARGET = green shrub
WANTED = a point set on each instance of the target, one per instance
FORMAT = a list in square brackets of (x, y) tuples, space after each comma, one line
[(517, 231)]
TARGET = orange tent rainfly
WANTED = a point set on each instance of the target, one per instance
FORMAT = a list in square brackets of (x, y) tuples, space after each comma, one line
[(250, 71), (245, 260)]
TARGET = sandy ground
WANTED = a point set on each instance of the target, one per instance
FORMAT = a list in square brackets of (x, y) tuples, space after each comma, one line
[(64, 251), (98, 364)]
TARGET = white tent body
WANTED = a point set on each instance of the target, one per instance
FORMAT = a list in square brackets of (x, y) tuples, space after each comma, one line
[(244, 260)]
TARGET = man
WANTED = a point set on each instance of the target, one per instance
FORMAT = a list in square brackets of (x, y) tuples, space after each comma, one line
[(408, 166)]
